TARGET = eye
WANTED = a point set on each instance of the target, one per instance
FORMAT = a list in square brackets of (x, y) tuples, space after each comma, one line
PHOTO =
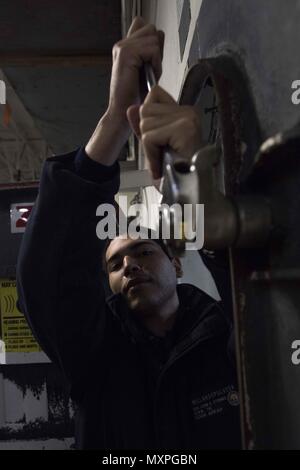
[(115, 267)]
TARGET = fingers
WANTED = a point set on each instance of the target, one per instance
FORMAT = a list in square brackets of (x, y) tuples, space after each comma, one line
[(153, 143), (152, 115), (157, 39), (133, 117), (142, 44), (146, 30), (150, 52), (140, 29), (136, 24), (158, 95), (165, 123), (156, 122), (157, 109), (133, 52)]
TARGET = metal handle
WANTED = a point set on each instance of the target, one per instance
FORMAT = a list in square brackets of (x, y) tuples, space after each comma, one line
[(176, 169), (179, 184)]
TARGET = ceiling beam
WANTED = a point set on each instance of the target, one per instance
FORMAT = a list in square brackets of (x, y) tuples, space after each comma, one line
[(26, 59)]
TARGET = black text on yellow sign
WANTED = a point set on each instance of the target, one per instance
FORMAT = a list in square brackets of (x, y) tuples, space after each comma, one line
[(16, 333)]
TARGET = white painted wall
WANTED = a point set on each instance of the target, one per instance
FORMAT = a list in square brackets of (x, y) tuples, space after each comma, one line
[(12, 397), (164, 14), (17, 407), (35, 407)]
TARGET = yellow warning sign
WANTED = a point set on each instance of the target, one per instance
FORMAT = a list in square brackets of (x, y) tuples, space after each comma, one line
[(16, 333)]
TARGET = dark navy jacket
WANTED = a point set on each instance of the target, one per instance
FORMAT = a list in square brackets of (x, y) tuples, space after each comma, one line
[(132, 390)]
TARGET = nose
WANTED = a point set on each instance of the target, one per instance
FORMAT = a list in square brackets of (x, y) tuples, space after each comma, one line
[(131, 265)]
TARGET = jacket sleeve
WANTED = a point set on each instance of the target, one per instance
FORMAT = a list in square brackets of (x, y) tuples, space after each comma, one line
[(59, 267)]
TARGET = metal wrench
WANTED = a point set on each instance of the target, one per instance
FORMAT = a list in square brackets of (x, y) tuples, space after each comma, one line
[(179, 185)]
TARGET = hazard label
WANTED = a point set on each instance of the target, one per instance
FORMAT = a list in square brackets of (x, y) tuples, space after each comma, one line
[(16, 333)]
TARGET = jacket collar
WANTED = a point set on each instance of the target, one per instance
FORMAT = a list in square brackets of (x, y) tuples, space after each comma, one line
[(198, 315)]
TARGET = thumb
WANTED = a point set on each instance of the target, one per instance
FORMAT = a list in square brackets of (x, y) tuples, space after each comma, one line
[(159, 95), (133, 116)]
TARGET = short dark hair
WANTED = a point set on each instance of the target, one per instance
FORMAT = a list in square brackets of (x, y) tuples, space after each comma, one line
[(150, 235)]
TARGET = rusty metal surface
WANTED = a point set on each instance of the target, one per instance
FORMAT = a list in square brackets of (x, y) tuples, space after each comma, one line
[(265, 281), (265, 35), (234, 108)]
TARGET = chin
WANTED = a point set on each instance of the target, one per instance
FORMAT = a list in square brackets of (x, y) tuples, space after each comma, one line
[(140, 303)]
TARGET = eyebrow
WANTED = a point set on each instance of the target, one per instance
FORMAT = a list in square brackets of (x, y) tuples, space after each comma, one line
[(131, 248)]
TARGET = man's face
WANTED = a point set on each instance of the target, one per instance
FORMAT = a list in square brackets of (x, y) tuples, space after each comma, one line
[(142, 272)]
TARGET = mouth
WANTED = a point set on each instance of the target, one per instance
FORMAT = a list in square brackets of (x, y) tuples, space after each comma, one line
[(134, 283)]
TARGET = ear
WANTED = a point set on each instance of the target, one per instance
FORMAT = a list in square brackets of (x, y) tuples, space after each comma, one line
[(177, 265)]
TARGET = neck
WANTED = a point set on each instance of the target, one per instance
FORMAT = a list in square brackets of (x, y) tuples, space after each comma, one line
[(161, 320)]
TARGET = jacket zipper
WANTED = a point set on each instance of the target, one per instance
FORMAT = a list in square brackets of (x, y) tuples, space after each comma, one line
[(172, 362)]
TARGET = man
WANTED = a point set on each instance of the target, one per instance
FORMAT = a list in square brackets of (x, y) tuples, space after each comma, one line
[(149, 366)]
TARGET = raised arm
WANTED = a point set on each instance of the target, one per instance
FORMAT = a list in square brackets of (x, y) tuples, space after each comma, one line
[(59, 268)]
